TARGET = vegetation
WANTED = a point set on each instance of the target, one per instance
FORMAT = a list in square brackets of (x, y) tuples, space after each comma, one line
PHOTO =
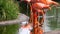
[(8, 10)]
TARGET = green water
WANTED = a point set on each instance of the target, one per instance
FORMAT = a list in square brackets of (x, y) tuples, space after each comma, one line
[(53, 22)]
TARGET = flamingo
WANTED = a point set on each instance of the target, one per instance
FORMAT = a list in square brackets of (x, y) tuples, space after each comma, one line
[(38, 7), (49, 2)]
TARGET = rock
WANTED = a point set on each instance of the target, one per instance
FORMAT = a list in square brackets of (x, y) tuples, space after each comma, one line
[(23, 17)]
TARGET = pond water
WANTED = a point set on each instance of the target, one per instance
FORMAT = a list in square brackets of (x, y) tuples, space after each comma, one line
[(52, 20)]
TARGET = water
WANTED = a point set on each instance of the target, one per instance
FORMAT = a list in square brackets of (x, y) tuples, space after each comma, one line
[(52, 20), (46, 25)]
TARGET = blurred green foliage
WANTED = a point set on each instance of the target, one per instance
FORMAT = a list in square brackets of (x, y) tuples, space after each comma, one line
[(8, 10)]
